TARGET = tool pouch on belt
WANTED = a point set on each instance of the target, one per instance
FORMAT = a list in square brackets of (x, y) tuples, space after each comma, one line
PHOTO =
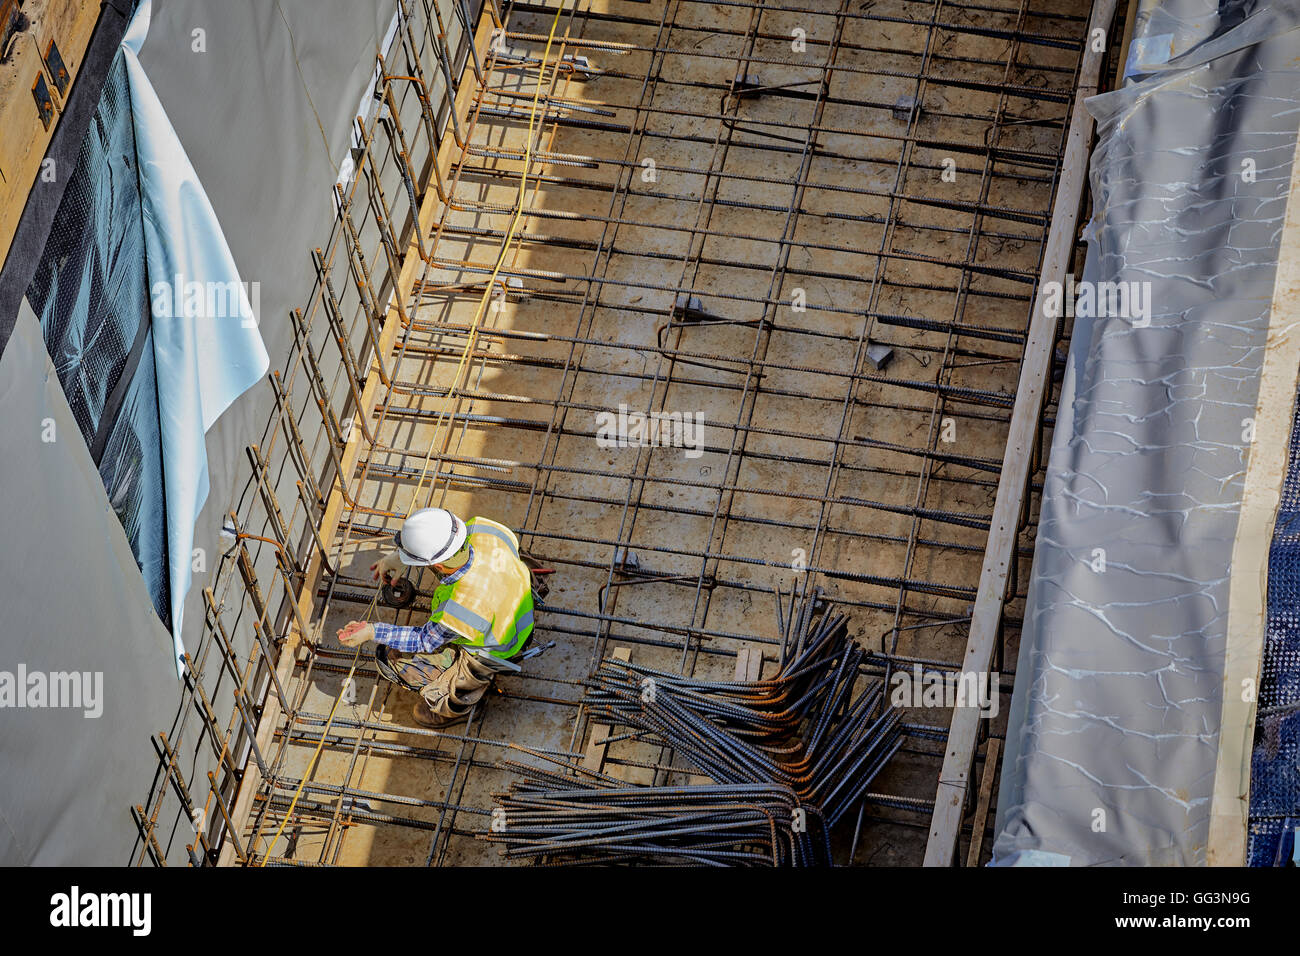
[(413, 671)]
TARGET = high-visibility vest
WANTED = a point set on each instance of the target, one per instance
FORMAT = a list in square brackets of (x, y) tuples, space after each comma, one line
[(491, 606)]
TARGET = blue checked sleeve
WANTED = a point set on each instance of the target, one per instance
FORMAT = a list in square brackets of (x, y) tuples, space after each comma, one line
[(430, 637), (413, 640)]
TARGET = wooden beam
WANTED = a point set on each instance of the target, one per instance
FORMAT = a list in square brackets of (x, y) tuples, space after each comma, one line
[(332, 517), (749, 664), (70, 24), (1248, 575), (991, 754), (594, 757), (1022, 436), (597, 752)]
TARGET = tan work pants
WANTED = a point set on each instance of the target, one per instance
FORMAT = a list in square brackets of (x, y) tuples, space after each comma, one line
[(451, 680)]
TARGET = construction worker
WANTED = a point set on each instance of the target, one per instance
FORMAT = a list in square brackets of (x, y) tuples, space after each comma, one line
[(482, 614)]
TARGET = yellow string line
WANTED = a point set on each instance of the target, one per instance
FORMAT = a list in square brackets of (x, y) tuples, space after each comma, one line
[(329, 721), (469, 346), (501, 258)]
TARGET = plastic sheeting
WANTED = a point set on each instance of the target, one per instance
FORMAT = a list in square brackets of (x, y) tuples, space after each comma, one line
[(90, 291), (71, 602), (131, 468), (137, 260), (265, 117), (207, 347), (1164, 29), (1113, 729)]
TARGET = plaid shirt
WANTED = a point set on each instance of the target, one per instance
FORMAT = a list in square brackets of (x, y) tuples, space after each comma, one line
[(430, 637)]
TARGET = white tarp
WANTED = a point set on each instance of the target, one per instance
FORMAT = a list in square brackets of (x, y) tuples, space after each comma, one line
[(207, 347)]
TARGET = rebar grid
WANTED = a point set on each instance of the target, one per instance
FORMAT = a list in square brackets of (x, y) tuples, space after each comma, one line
[(253, 617), (889, 515)]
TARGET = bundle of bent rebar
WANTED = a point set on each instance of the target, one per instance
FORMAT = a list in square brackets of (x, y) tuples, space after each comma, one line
[(787, 757)]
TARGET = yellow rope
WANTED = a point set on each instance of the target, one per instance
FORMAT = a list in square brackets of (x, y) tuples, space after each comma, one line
[(469, 347), (501, 258)]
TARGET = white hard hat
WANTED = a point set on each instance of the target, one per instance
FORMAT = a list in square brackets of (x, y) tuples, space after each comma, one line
[(429, 536)]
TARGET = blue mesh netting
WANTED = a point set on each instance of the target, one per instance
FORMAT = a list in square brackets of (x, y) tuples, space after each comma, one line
[(90, 292), (1275, 759)]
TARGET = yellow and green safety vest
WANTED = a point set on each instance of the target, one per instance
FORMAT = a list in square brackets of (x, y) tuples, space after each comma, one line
[(491, 606)]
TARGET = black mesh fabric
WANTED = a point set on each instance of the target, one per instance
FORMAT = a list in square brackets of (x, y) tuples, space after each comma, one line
[(1275, 758), (90, 292), (131, 469), (89, 289)]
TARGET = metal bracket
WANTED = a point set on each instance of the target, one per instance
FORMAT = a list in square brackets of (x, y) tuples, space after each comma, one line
[(689, 308), (903, 108), (747, 84), (44, 103), (58, 72), (879, 355), (580, 70)]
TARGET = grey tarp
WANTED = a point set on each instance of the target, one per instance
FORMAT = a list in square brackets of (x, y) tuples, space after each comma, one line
[(264, 113), (262, 107), (68, 780), (1113, 730)]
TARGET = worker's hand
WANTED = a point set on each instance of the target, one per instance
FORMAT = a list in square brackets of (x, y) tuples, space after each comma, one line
[(387, 569), (356, 633)]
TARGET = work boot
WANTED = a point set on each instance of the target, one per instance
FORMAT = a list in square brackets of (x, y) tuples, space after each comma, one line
[(425, 717)]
